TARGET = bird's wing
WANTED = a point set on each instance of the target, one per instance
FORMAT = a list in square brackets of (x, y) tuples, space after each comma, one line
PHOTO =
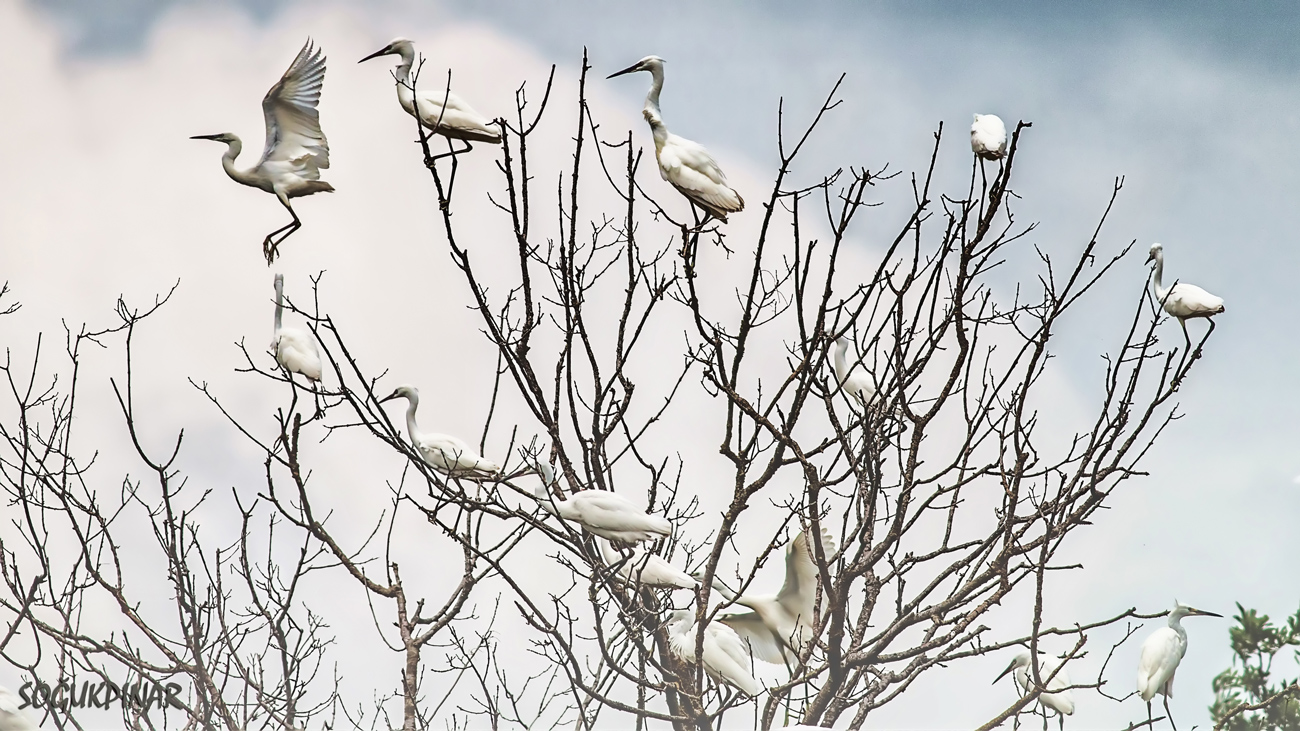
[(654, 571), (799, 593), (293, 132), (455, 454), (456, 118), (727, 654), (691, 169), (761, 641), (1161, 653), (297, 351), (610, 511), (11, 718), (1188, 300)]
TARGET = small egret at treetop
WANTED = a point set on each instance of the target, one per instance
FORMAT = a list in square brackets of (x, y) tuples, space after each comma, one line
[(296, 150), (780, 626), (1060, 699), (988, 137), (442, 112), (11, 717), (443, 452), (1161, 653), (601, 512), (1182, 300), (725, 658), (293, 348), (686, 165), (855, 381), (639, 566)]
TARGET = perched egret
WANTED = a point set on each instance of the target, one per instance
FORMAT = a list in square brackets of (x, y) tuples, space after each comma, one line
[(294, 349), (296, 149), (781, 626), (988, 137), (725, 658), (647, 569), (1182, 300), (1060, 699), (686, 165), (11, 718), (453, 119), (443, 452), (1161, 653), (602, 512), (856, 382)]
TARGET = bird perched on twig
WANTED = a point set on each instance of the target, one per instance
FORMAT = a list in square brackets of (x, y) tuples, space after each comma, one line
[(1182, 300), (725, 658), (1161, 653), (601, 512), (296, 150), (988, 137), (293, 348), (1060, 699), (443, 452)]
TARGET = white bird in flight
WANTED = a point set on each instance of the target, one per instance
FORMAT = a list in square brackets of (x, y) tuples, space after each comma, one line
[(638, 566), (1060, 699), (686, 165), (1182, 300), (443, 452), (296, 150), (1161, 653), (453, 119), (856, 382), (779, 627), (725, 658), (11, 718), (294, 349), (601, 512), (988, 137)]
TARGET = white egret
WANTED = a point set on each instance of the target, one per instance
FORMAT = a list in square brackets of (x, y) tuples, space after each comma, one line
[(296, 150), (11, 718), (647, 569), (725, 658), (1060, 699), (686, 165), (1182, 300), (988, 137), (1161, 653), (856, 382), (442, 112), (781, 626), (294, 349), (443, 452), (601, 512)]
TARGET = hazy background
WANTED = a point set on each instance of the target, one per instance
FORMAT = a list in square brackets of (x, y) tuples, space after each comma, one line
[(1196, 104)]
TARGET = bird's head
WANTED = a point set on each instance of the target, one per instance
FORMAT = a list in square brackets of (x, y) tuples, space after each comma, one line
[(225, 137), (649, 63), (398, 46), (1182, 610), (1157, 252), (404, 391), (1019, 661), (680, 616)]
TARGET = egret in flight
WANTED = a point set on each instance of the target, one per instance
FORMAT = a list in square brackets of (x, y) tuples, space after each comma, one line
[(780, 627), (638, 566), (988, 137), (601, 512), (725, 658), (686, 165), (1161, 653), (11, 718), (443, 452), (294, 349), (1182, 300), (1060, 699), (296, 150), (442, 112)]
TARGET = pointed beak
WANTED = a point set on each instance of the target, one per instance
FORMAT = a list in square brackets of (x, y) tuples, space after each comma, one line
[(1203, 613), (1151, 258), (628, 70), (1003, 674), (381, 52), (207, 137), (389, 397)]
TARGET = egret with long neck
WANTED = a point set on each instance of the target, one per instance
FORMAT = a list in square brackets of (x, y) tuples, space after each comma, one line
[(443, 452), (1182, 300), (1161, 653), (294, 349)]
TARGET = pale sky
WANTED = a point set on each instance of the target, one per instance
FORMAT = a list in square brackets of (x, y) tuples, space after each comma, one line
[(1197, 105)]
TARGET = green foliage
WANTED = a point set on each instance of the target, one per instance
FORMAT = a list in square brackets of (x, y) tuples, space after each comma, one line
[(1256, 641)]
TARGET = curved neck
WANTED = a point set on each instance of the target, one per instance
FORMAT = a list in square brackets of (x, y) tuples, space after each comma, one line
[(656, 86), (233, 148), (1158, 281), (412, 402), (279, 302), (547, 500), (841, 360)]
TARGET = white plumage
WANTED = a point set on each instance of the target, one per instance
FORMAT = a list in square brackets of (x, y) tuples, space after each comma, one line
[(443, 452), (1182, 300), (641, 567), (855, 382), (725, 658), (988, 137), (1161, 653), (686, 165), (779, 627), (601, 512), (1060, 699), (11, 718), (296, 150), (294, 349), (454, 119)]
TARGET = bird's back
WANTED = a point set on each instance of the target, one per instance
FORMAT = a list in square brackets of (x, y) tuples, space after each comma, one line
[(456, 118), (452, 455), (611, 511), (1161, 653), (297, 352), (693, 171), (1188, 300)]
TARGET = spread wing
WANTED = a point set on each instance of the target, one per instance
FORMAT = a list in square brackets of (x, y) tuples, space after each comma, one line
[(799, 593), (760, 639), (293, 132)]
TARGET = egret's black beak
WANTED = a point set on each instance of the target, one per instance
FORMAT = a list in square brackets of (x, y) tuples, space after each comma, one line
[(381, 52), (1003, 674), (389, 397), (207, 137), (1151, 258), (1203, 613), (634, 67)]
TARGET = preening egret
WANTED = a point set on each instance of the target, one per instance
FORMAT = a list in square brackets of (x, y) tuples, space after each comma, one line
[(686, 165), (454, 120), (296, 149), (642, 567), (988, 137), (725, 658), (856, 382), (603, 513), (1060, 699), (1161, 653), (11, 718), (781, 626), (443, 452), (1182, 300), (294, 349)]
